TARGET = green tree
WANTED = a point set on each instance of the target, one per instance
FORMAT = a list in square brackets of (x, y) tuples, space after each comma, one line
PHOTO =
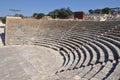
[(35, 14), (38, 15), (19, 15), (3, 19), (106, 10), (98, 11), (62, 13), (91, 11), (52, 14)]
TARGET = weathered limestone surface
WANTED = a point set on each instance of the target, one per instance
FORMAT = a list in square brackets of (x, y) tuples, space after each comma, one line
[(24, 31), (28, 63), (86, 50), (27, 31)]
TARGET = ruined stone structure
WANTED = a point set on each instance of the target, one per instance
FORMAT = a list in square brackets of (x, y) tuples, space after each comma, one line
[(102, 17), (77, 50)]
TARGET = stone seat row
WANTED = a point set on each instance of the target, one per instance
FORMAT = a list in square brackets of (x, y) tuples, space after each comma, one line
[(89, 46), (89, 54)]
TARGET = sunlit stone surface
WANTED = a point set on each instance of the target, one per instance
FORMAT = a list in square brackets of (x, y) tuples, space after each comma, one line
[(28, 63)]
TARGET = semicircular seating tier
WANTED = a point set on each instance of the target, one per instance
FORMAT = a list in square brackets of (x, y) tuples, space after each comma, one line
[(90, 50)]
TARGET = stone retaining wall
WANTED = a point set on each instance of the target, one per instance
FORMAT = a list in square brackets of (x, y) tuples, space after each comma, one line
[(24, 31)]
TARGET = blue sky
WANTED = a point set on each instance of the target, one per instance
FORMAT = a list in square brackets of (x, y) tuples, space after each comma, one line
[(28, 7)]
